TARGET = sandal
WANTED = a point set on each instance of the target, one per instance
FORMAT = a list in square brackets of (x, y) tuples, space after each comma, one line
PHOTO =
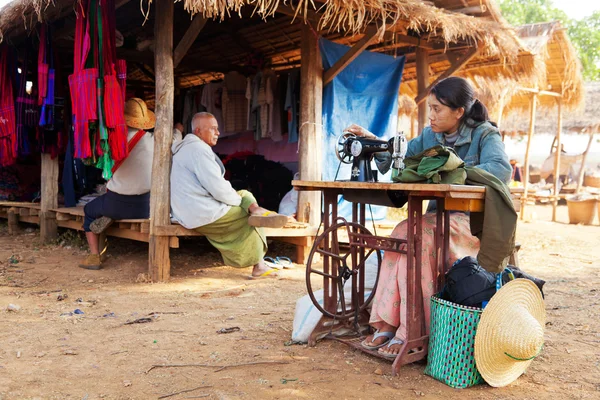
[(377, 335), (278, 262), (392, 342), (266, 274)]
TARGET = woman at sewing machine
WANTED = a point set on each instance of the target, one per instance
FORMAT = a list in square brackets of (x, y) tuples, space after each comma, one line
[(459, 121)]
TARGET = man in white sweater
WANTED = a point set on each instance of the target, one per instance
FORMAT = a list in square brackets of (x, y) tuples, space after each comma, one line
[(203, 200), (128, 194)]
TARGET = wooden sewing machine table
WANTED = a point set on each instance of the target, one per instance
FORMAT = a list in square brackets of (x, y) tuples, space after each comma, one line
[(344, 246)]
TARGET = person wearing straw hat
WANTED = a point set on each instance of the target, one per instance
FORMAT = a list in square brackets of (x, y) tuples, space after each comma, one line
[(203, 200), (510, 334), (128, 191)]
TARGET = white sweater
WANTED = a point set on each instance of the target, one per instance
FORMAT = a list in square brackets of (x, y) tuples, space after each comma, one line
[(199, 192), (135, 174)]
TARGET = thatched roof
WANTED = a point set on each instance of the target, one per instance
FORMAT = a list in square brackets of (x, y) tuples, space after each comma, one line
[(271, 29), (581, 120), (561, 67)]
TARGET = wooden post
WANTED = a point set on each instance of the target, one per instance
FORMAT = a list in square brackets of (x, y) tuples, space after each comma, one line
[(532, 110), (584, 158), (159, 262), (422, 84), (49, 199), (557, 161), (310, 131), (13, 221)]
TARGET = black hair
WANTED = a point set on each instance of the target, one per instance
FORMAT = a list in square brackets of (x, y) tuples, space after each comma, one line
[(455, 93)]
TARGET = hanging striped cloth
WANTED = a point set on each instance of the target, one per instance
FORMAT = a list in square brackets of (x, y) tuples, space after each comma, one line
[(26, 109), (8, 132), (114, 105), (122, 77), (82, 85)]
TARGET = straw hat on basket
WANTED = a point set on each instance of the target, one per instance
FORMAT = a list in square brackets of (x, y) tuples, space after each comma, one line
[(137, 114), (510, 333)]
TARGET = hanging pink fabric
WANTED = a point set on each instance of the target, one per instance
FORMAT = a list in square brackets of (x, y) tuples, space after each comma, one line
[(114, 104), (82, 85), (42, 66), (8, 132)]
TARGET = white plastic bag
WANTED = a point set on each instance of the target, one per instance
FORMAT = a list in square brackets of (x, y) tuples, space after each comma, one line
[(307, 316)]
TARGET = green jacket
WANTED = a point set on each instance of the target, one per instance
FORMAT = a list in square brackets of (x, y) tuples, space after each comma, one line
[(496, 226)]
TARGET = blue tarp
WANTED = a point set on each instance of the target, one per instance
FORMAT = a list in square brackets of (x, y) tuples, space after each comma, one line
[(364, 93)]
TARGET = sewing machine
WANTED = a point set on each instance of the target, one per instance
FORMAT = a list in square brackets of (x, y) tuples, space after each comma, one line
[(359, 151)]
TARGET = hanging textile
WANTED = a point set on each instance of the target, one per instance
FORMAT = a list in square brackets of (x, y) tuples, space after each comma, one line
[(8, 131), (46, 80), (26, 109), (83, 89), (122, 77), (114, 104), (364, 93)]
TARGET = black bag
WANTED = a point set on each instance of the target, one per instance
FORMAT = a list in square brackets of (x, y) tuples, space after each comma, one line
[(468, 284)]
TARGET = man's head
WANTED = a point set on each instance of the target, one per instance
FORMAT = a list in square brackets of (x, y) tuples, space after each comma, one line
[(205, 126)]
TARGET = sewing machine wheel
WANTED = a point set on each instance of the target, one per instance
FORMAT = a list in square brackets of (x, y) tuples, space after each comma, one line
[(343, 154), (343, 252)]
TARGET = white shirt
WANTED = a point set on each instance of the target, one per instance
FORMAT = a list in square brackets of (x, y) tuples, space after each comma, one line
[(134, 176)]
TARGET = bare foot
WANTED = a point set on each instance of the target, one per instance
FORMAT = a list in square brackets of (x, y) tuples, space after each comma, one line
[(261, 268), (382, 339), (258, 210), (393, 348)]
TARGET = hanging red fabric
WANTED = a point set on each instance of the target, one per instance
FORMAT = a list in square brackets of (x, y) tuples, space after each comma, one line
[(8, 132), (42, 66), (122, 77), (82, 85), (114, 104)]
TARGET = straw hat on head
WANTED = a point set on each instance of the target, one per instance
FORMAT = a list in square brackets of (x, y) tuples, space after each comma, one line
[(137, 114), (510, 333)]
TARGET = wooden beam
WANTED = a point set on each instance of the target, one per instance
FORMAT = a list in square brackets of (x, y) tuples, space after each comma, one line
[(310, 130), (159, 261), (454, 67), (422, 84), (532, 112), (541, 92), (557, 161), (350, 55), (147, 73), (413, 41), (49, 198), (188, 39), (583, 160)]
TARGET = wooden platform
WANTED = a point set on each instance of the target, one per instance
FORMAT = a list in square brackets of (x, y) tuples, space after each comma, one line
[(299, 234)]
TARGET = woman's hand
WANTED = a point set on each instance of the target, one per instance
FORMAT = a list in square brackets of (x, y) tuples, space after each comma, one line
[(360, 131), (179, 127)]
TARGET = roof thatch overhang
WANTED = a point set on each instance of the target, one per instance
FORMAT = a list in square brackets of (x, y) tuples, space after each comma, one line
[(238, 30)]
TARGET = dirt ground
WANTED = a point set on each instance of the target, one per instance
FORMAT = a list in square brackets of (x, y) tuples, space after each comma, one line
[(47, 352)]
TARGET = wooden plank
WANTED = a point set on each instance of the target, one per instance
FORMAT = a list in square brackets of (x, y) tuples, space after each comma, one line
[(159, 263), (425, 187), (174, 242), (30, 219), (188, 39), (532, 111), (310, 130), (541, 92), (454, 67), (24, 212), (350, 55), (464, 205), (422, 84), (557, 160), (145, 227), (49, 198)]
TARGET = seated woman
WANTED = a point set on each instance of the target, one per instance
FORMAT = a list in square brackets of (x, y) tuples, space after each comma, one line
[(459, 121)]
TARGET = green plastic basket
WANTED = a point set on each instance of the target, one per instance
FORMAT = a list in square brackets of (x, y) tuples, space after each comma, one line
[(451, 344)]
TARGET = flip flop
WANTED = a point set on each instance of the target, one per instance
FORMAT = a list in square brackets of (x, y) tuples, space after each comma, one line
[(269, 219), (266, 274), (272, 263), (285, 262), (388, 344), (377, 335)]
